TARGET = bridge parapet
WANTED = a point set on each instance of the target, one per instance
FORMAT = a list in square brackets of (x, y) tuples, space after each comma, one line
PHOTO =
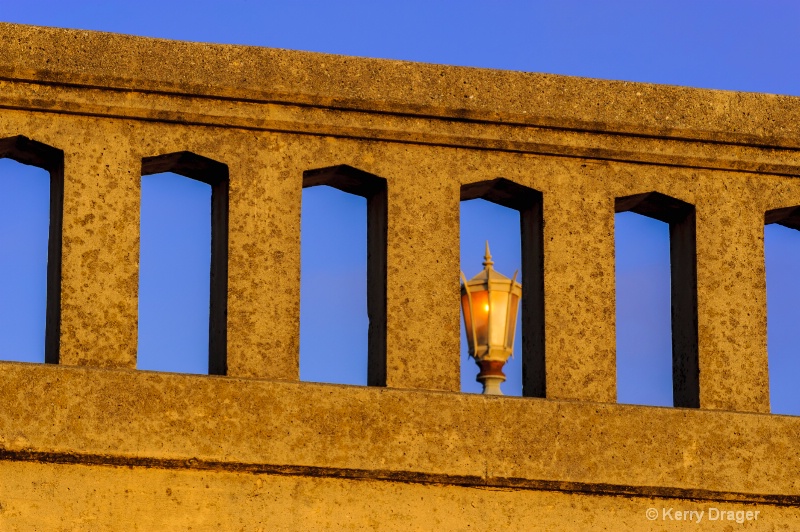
[(99, 110)]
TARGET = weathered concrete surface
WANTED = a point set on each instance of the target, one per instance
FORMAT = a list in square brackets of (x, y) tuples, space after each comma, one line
[(151, 419), (66, 497), (100, 248), (321, 80), (416, 452)]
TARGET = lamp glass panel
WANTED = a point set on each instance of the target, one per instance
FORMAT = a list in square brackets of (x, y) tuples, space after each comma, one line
[(512, 319), (499, 303), (480, 313), (467, 320)]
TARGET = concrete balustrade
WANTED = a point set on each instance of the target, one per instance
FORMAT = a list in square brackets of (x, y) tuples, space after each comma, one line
[(98, 110)]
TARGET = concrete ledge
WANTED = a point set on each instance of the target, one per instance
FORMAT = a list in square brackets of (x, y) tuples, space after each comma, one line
[(105, 60), (78, 497), (145, 419), (373, 124)]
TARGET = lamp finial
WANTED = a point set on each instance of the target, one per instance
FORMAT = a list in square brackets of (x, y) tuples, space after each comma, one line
[(487, 259)]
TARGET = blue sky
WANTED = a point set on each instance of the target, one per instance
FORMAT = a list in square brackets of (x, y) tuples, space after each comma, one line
[(721, 44)]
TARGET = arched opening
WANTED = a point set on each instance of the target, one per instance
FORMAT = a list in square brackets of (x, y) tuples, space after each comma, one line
[(343, 277), (32, 174), (183, 264), (782, 259), (644, 324), (656, 276), (510, 218)]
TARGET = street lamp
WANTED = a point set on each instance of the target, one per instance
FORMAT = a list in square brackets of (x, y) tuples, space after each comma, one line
[(489, 302)]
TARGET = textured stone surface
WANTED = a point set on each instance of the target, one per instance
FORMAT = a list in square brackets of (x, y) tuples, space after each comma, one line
[(100, 272), (92, 443), (124, 417), (153, 499), (323, 80)]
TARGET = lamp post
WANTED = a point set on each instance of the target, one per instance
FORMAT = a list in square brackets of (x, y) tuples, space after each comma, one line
[(490, 301)]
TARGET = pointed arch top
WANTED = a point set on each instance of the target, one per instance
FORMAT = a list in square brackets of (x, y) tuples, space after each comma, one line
[(502, 192), (31, 152), (655, 205), (345, 178), (189, 165)]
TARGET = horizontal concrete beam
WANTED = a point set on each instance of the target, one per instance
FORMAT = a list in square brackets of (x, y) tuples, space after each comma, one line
[(596, 141), (134, 418), (103, 60)]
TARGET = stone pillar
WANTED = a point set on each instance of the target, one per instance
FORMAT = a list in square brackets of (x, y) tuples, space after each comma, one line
[(579, 291), (731, 288), (263, 260), (423, 301), (100, 248)]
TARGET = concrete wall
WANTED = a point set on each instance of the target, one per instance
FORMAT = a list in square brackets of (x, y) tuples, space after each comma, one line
[(87, 442)]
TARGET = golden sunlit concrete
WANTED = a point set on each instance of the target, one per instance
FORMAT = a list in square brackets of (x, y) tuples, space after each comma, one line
[(91, 443)]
